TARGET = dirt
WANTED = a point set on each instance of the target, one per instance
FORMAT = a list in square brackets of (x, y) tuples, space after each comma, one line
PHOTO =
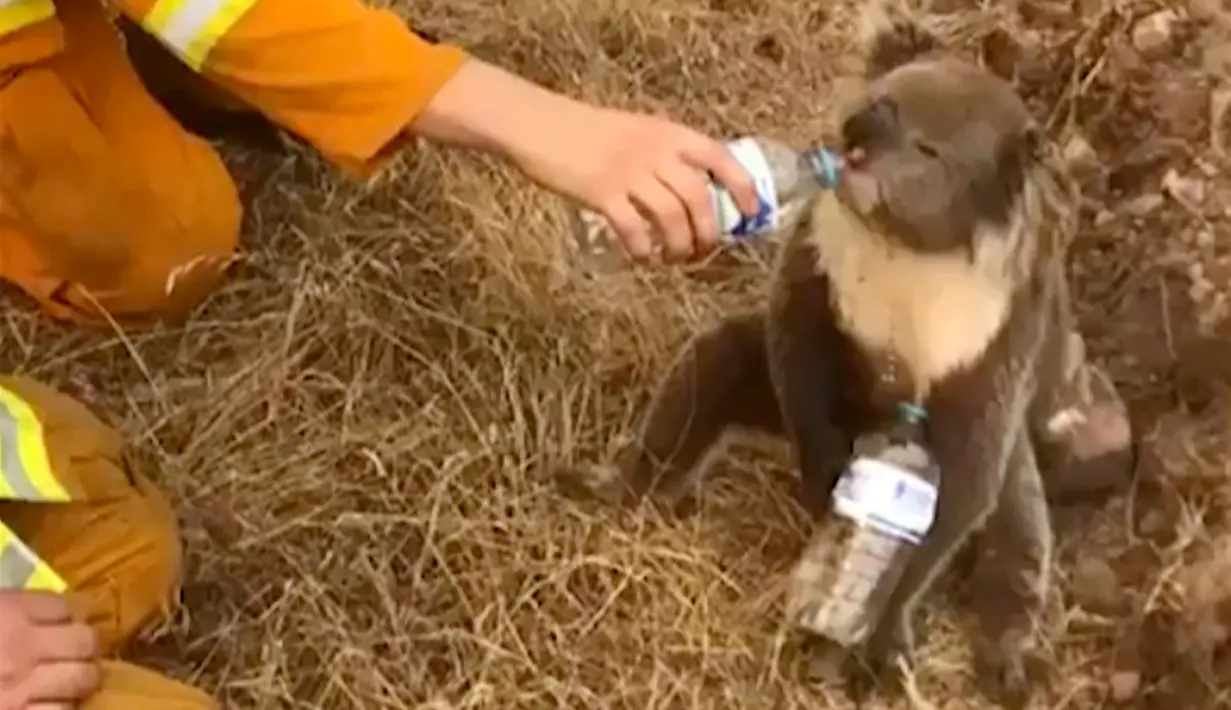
[(355, 428)]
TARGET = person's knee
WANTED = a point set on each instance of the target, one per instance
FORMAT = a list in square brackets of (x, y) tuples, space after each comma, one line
[(123, 228), (146, 578), (188, 244), (116, 543), (181, 244), (125, 686)]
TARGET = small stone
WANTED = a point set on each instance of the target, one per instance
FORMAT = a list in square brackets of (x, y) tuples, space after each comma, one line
[(1124, 685), (1220, 102), (1105, 217), (1144, 205), (1080, 156), (1095, 586), (1198, 291), (1152, 523), (1189, 192), (1153, 36), (1181, 105), (1205, 10)]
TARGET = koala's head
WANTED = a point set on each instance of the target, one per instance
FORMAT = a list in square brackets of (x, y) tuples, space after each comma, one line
[(938, 149)]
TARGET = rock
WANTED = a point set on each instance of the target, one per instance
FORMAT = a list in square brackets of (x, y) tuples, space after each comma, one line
[(1124, 685), (1153, 523), (1094, 586), (1144, 205), (1180, 102), (1220, 101), (1001, 54), (1154, 35), (1080, 156), (1189, 192)]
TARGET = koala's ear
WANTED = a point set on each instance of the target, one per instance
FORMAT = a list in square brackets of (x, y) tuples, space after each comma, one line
[(893, 42)]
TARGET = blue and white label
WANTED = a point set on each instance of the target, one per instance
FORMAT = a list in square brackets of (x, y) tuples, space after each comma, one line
[(731, 221), (888, 498)]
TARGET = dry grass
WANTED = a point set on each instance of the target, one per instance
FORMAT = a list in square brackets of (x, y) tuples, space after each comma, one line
[(354, 428)]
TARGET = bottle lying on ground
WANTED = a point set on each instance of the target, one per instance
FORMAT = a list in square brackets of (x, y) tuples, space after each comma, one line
[(886, 502), (786, 181)]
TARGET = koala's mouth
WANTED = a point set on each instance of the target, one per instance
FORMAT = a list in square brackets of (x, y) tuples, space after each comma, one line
[(855, 158), (859, 187)]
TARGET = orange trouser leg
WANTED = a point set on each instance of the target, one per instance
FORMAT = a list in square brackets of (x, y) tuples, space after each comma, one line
[(129, 687), (117, 544), (107, 206)]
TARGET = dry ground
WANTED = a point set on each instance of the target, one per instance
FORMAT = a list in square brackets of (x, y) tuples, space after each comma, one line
[(354, 429)]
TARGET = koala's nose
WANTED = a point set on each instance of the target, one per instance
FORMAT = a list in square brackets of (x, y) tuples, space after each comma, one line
[(873, 125)]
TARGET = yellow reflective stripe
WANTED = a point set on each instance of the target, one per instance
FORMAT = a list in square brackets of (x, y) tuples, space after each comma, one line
[(25, 468), (45, 579), (21, 569), (16, 14), (191, 28)]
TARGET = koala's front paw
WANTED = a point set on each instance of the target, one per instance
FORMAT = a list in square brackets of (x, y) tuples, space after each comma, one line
[(881, 662), (1006, 668)]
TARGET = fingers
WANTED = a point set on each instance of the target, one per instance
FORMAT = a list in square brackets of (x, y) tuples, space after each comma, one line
[(693, 195), (713, 156), (669, 215), (42, 608), (65, 682), (65, 642), (632, 228)]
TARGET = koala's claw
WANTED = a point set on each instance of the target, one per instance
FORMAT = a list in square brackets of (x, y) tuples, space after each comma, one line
[(1006, 673), (880, 664)]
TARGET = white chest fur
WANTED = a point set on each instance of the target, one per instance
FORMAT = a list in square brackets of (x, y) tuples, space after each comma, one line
[(935, 312)]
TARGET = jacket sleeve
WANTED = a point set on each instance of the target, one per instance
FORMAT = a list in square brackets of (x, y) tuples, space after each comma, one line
[(345, 77), (29, 32)]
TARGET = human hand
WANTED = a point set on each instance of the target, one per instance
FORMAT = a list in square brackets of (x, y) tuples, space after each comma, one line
[(645, 174), (46, 657)]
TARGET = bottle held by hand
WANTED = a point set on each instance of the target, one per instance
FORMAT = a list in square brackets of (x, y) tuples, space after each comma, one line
[(786, 180)]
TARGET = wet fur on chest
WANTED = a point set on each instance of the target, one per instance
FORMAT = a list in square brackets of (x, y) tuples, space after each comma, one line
[(930, 314)]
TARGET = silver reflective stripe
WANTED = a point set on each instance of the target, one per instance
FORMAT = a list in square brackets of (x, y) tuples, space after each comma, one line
[(16, 567), (11, 467), (189, 21)]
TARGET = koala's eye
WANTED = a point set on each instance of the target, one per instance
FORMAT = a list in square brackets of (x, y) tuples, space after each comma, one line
[(927, 149)]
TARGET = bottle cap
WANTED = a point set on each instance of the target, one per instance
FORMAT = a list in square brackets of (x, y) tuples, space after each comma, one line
[(826, 166)]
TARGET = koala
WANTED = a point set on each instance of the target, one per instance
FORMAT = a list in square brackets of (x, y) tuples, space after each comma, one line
[(933, 274)]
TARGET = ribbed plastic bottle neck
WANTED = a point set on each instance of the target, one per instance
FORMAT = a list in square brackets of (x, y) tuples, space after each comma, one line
[(825, 166), (909, 427)]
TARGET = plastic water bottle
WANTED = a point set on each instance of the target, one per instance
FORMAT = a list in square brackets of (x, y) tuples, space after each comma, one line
[(786, 180), (888, 500)]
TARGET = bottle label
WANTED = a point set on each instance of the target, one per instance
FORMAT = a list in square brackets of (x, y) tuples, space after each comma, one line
[(730, 220), (888, 498)]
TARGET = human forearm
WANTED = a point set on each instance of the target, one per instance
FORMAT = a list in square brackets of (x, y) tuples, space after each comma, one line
[(487, 108)]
